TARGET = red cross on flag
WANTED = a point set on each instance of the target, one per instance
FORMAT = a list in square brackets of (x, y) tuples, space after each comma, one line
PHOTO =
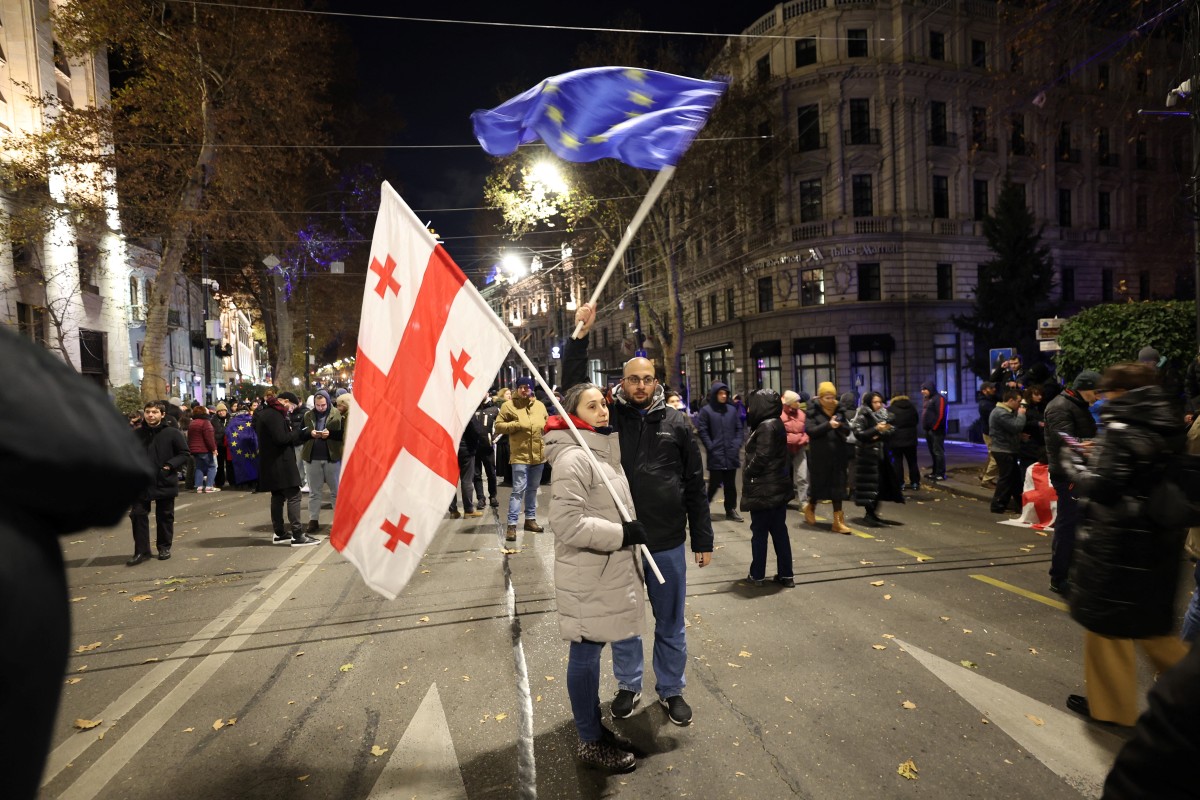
[(428, 348)]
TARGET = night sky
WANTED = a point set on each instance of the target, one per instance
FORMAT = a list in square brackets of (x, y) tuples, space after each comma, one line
[(441, 72)]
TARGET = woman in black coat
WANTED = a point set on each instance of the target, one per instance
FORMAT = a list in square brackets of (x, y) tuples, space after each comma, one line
[(278, 472), (767, 486), (827, 458), (902, 445), (1125, 570), (874, 480)]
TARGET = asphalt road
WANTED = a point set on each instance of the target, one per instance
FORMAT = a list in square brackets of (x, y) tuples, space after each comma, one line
[(242, 669)]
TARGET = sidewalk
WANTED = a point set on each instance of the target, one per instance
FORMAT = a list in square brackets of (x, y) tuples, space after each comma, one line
[(964, 465)]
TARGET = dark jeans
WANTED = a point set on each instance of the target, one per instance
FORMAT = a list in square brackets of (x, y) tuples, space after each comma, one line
[(224, 469), (291, 497), (936, 442), (485, 464), (1010, 482), (466, 474), (583, 687), (164, 523), (1062, 546), (773, 522), (899, 455), (727, 478)]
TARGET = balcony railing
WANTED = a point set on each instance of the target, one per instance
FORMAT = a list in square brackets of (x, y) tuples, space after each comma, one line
[(942, 139), (855, 136), (810, 230), (812, 142), (873, 225)]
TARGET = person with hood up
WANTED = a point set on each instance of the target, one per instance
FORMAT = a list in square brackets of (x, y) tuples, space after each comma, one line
[(933, 421), (827, 459), (597, 569), (485, 454), (1126, 569), (1068, 413), (874, 481), (793, 418), (522, 419), (277, 470), (766, 487), (902, 445), (848, 407), (720, 428), (321, 454)]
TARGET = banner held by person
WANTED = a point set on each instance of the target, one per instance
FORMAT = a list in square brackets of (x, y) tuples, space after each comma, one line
[(643, 118)]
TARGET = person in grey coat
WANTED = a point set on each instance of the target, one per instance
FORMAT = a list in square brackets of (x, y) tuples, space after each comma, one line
[(1007, 425), (597, 569)]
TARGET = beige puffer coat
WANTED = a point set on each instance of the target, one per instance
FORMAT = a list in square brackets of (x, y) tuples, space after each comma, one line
[(598, 584)]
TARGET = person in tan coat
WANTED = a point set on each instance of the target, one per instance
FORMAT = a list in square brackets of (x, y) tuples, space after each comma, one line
[(597, 570), (522, 419)]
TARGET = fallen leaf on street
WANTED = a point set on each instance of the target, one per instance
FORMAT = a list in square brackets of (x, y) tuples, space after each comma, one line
[(1033, 651), (969, 664), (740, 774), (73, 681), (122, 591), (867, 563), (509, 551), (879, 647), (118, 637), (298, 654), (376, 750), (82, 668), (188, 730), (150, 660), (1035, 720), (87, 724), (423, 619), (907, 770), (744, 654), (539, 699), (501, 717), (877, 583), (216, 726), (888, 635), (77, 599), (170, 581), (549, 677), (909, 704), (75, 541), (302, 778), (986, 721), (735, 666), (887, 597), (967, 630), (424, 572), (83, 648), (787, 699), (346, 667), (466, 677), (137, 598), (944, 619)]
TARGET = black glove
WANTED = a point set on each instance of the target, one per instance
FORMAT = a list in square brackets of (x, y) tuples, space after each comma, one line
[(633, 532)]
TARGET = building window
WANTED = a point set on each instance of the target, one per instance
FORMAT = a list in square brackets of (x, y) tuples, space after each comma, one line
[(87, 251), (31, 322), (941, 197), (730, 306), (716, 364), (868, 282), (979, 126), (766, 207), (979, 53), (937, 45), (1068, 284), (806, 51), (1144, 285), (937, 123), (1064, 208), (768, 373), (813, 363), (1014, 59), (860, 121), (810, 200), (945, 281), (1103, 211), (1104, 153), (699, 314), (808, 128), (1017, 140), (766, 295), (946, 373), (1106, 285), (1020, 189), (762, 68), (1143, 80), (1102, 77), (1141, 214), (712, 308), (812, 287), (856, 43), (871, 363), (134, 294), (605, 340), (1141, 152), (979, 198), (93, 356), (864, 201)]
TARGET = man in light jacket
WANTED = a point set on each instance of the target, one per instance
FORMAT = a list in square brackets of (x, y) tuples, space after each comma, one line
[(522, 419)]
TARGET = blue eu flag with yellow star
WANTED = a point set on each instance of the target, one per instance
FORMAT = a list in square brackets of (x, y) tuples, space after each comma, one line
[(243, 445), (643, 118)]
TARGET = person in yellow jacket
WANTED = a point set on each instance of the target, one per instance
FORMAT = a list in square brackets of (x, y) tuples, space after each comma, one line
[(522, 419)]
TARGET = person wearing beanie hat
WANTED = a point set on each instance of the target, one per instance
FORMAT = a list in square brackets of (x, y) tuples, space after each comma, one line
[(1148, 355), (933, 421), (522, 419), (794, 420), (828, 460), (220, 419), (278, 472), (1067, 414)]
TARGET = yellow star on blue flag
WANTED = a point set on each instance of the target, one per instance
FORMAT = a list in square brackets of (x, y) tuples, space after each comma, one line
[(643, 118)]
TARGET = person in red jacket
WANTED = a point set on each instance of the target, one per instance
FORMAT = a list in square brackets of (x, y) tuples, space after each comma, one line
[(202, 444)]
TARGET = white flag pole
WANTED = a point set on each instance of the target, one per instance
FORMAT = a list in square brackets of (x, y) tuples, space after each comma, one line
[(656, 188), (512, 342)]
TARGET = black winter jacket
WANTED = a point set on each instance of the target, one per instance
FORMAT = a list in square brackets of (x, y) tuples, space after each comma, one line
[(277, 467), (721, 430), (874, 478), (485, 416), (766, 483), (986, 404), (905, 420), (827, 456), (167, 452), (1069, 414), (662, 463), (1125, 570)]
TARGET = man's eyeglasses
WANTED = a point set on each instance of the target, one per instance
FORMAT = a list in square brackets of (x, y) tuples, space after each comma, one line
[(638, 380)]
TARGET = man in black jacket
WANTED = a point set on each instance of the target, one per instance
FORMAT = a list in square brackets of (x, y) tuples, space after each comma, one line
[(987, 401), (485, 455), (1068, 413), (661, 459), (166, 454), (277, 469)]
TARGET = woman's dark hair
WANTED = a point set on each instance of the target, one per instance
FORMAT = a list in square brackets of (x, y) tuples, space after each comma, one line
[(869, 398), (1128, 375), (1028, 395), (570, 401)]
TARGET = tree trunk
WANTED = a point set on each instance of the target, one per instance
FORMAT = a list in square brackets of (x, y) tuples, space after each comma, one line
[(282, 371)]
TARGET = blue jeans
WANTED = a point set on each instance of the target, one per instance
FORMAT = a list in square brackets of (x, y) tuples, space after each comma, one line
[(206, 469), (773, 521), (670, 642), (1191, 619), (583, 687), (526, 479), (318, 474), (1062, 546)]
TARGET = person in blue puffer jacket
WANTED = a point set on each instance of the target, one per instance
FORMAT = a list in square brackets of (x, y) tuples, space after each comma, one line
[(721, 430)]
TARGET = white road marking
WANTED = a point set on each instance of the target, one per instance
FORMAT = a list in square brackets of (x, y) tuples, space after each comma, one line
[(136, 737), (424, 763), (1072, 748)]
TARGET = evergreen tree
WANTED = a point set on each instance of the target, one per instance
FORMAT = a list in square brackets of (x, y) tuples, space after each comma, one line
[(1014, 287)]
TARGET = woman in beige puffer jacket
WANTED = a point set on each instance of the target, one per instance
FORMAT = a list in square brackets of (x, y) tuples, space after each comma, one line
[(598, 582)]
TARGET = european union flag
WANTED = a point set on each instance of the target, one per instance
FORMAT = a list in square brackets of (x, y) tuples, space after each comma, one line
[(243, 444), (643, 118)]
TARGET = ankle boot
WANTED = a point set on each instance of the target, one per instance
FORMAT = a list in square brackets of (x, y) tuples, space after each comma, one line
[(839, 522), (810, 513)]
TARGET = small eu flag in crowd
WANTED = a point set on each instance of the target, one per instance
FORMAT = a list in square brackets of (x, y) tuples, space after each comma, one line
[(643, 118)]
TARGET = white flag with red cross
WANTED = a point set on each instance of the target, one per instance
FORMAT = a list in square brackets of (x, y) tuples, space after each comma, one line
[(428, 348)]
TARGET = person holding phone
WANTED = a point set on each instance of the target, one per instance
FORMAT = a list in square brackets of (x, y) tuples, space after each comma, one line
[(321, 454), (828, 460), (1067, 413), (1006, 424)]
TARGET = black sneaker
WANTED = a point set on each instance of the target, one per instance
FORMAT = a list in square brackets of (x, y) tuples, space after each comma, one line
[(678, 711), (164, 553), (734, 516), (603, 755), (281, 538), (624, 702), (304, 540), (753, 581), (1059, 586), (786, 581)]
